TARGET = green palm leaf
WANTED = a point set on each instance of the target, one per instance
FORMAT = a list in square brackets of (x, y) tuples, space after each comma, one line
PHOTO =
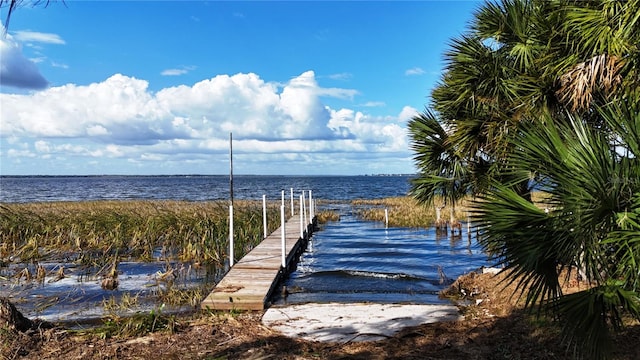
[(590, 222)]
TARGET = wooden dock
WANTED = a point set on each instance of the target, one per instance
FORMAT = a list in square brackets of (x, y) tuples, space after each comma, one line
[(251, 281)]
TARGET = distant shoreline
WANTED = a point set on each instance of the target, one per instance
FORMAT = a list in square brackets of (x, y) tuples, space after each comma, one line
[(199, 175)]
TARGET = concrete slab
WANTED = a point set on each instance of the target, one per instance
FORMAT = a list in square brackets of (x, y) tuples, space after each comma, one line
[(342, 323)]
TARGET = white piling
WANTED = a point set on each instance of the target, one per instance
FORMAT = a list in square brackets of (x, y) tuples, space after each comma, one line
[(230, 236), (304, 208), (292, 212), (264, 215), (283, 236), (301, 220), (386, 218), (310, 207), (282, 204)]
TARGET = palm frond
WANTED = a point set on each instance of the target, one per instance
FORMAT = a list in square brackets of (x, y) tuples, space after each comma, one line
[(442, 172), (590, 314)]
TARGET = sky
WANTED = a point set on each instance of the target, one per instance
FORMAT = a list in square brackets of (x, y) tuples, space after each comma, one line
[(164, 87)]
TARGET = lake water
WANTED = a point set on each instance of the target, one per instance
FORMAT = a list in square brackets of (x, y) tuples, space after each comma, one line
[(347, 261), (196, 187), (359, 261)]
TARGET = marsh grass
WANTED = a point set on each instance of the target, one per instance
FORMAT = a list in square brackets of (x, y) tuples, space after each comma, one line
[(405, 211), (324, 216), (173, 295), (125, 302), (187, 236), (94, 232)]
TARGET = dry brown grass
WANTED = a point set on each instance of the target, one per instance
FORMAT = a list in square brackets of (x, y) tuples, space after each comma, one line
[(405, 211), (325, 216)]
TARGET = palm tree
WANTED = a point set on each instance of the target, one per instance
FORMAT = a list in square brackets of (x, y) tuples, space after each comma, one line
[(523, 59), (604, 55), (495, 78), (594, 223), (545, 94)]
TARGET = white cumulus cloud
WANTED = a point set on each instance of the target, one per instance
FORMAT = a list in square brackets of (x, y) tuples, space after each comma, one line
[(120, 120)]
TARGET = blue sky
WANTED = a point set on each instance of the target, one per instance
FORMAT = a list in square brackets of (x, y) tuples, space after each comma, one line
[(156, 87)]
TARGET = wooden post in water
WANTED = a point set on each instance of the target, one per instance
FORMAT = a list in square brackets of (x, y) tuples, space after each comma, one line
[(264, 215), (386, 218)]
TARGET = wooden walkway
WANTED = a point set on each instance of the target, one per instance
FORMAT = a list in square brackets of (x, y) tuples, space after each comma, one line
[(250, 282)]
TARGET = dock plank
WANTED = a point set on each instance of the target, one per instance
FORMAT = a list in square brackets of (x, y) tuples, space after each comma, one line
[(250, 282)]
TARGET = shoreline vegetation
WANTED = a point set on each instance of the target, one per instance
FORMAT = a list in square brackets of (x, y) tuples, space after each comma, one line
[(98, 235), (94, 232), (97, 230), (494, 324)]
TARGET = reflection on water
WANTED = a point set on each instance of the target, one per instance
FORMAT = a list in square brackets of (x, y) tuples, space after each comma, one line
[(358, 261)]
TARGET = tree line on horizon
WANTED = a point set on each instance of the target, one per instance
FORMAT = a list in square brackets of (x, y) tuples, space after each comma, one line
[(540, 94)]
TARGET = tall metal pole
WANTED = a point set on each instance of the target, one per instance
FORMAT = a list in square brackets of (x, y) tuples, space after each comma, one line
[(231, 255), (231, 167)]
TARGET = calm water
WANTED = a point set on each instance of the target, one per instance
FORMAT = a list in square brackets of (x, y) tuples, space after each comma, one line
[(356, 261), (350, 261)]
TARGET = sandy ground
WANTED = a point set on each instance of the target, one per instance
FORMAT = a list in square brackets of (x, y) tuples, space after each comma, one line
[(343, 323)]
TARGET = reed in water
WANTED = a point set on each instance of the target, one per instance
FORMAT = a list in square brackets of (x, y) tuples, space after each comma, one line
[(92, 232)]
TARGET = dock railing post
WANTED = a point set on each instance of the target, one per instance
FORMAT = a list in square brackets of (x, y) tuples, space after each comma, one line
[(282, 204), (301, 220), (264, 216), (230, 236), (283, 236), (292, 212), (304, 208), (311, 214)]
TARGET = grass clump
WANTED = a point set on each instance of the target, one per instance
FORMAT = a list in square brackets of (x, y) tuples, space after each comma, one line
[(137, 325), (325, 216)]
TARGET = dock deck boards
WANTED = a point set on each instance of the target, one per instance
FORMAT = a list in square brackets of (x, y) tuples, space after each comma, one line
[(250, 282)]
